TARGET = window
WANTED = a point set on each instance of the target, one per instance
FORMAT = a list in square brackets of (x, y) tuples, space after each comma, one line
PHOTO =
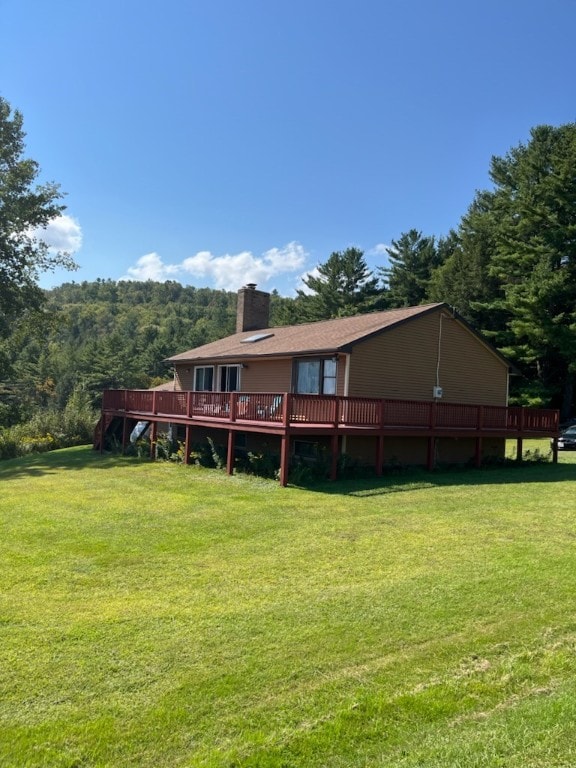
[(229, 378), (204, 378), (305, 449), (315, 377)]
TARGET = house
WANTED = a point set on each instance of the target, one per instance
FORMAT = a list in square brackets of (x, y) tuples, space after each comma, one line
[(415, 385)]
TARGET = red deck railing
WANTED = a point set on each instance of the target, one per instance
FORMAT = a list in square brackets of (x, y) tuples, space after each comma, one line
[(330, 410)]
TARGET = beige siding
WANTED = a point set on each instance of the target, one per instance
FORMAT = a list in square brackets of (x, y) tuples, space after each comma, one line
[(256, 376), (273, 375), (267, 376), (402, 363), (184, 377)]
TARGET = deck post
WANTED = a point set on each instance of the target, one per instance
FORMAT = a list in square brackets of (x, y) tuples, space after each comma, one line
[(233, 406), (286, 408), (189, 404), (432, 415), (555, 451), (230, 455), (480, 422), (187, 444), (519, 449), (284, 458), (124, 433), (379, 454), (430, 455), (478, 453), (335, 456), (153, 438)]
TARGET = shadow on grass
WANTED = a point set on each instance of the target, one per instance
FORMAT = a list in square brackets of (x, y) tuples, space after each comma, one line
[(50, 462), (396, 481), (414, 479)]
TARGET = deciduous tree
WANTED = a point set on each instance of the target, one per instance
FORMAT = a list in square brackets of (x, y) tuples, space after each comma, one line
[(25, 208)]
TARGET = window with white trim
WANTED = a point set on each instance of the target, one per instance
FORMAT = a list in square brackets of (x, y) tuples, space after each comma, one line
[(229, 378), (204, 378)]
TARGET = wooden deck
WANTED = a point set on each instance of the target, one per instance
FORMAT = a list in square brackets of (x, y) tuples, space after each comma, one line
[(289, 415)]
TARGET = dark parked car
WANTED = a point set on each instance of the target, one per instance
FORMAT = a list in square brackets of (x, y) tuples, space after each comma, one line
[(567, 439)]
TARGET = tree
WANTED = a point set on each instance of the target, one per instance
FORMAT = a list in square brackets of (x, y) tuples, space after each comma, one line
[(463, 277), (529, 223), (413, 258), (343, 286), (24, 209)]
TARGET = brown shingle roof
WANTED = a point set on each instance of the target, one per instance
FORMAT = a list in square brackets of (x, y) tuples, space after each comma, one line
[(309, 338)]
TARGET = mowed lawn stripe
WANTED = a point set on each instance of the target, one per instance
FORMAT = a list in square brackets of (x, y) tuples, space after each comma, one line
[(161, 615)]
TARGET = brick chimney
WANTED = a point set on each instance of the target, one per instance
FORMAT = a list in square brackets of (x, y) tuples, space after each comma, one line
[(253, 309)]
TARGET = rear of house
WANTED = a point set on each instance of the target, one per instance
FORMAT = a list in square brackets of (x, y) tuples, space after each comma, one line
[(415, 385), (424, 353)]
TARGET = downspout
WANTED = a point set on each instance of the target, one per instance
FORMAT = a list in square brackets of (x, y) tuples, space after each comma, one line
[(347, 375), (346, 391)]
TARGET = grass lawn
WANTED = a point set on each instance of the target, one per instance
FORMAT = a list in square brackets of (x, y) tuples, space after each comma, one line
[(158, 615)]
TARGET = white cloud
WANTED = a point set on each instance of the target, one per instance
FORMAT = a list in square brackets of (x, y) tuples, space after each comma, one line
[(61, 234), (304, 276), (229, 271), (379, 250), (150, 267)]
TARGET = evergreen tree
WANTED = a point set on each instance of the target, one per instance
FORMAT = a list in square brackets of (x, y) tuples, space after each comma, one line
[(343, 286), (413, 259), (521, 237)]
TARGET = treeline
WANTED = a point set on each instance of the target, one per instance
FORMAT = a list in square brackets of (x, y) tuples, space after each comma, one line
[(92, 336), (106, 334)]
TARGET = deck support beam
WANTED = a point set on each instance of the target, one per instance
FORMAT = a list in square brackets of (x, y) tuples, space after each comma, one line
[(187, 444), (519, 449), (379, 454), (284, 458), (124, 434), (335, 457), (478, 453), (153, 439), (430, 454), (230, 455)]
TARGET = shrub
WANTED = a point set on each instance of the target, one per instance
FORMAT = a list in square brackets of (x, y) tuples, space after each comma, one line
[(49, 428), (9, 445)]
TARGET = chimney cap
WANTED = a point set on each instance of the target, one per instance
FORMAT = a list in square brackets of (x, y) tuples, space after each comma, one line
[(251, 286)]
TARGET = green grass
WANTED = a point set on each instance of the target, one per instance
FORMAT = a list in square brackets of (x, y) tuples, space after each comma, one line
[(161, 615)]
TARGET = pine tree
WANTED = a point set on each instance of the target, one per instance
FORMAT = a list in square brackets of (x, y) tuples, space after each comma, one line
[(342, 286)]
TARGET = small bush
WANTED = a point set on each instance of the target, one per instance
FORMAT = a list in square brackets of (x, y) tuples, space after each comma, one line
[(217, 453), (262, 464), (168, 448), (9, 445)]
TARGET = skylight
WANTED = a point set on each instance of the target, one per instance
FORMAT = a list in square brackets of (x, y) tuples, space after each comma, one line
[(256, 337)]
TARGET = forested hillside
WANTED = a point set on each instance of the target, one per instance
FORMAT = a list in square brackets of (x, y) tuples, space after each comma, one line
[(101, 334)]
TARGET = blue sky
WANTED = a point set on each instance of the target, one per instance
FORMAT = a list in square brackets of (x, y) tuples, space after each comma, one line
[(223, 142)]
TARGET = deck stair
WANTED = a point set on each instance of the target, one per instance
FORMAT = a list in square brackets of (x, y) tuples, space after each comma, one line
[(107, 430)]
